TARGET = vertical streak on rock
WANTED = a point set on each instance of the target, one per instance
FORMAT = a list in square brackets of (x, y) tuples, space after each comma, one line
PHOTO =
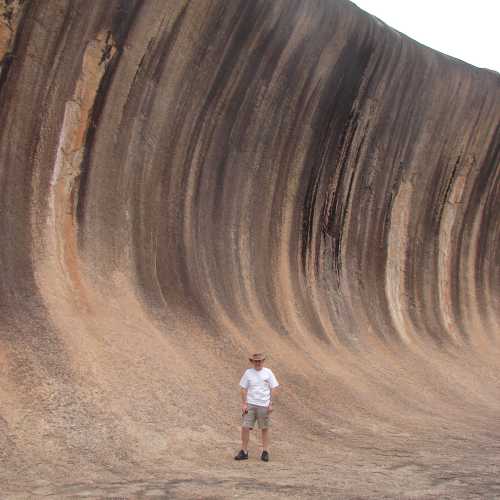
[(489, 248), (446, 250), (70, 154), (396, 260), (11, 12), (486, 261), (474, 313)]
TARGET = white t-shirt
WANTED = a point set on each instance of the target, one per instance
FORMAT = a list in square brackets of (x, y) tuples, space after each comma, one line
[(258, 384)]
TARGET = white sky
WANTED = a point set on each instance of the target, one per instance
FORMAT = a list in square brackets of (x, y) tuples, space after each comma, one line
[(466, 29)]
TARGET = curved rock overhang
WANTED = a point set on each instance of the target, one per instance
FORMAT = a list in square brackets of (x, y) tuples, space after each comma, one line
[(185, 182)]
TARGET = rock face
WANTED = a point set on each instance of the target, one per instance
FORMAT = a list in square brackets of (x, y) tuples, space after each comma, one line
[(183, 183)]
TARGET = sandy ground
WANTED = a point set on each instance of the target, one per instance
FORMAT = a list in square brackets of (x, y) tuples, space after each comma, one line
[(339, 466)]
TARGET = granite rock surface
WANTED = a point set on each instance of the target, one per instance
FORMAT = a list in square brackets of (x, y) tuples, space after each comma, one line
[(183, 183)]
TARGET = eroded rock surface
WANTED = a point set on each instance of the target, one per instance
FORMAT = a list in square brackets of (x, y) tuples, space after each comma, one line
[(186, 182)]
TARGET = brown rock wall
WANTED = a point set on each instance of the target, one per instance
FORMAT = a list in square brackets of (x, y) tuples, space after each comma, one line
[(184, 182)]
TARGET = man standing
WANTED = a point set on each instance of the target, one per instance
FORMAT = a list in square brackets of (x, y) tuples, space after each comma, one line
[(256, 389)]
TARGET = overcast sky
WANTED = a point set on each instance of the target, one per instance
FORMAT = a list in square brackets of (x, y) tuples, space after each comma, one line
[(466, 29)]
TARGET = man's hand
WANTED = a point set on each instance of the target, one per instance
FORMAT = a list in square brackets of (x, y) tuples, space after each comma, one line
[(270, 408), (244, 407)]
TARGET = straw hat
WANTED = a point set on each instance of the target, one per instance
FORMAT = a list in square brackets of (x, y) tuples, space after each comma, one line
[(258, 356)]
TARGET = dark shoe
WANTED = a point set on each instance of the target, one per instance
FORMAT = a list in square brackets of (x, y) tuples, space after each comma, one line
[(241, 456), (265, 456)]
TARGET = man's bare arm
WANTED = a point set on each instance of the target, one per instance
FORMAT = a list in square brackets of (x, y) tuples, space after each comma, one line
[(243, 395), (274, 393)]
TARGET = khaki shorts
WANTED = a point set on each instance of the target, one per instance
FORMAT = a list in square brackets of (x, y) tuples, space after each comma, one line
[(256, 413)]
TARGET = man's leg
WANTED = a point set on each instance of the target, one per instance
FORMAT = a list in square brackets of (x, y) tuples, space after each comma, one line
[(245, 437), (264, 424), (265, 439)]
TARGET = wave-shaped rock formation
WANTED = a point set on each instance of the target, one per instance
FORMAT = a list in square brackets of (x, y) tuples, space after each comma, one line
[(183, 183)]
